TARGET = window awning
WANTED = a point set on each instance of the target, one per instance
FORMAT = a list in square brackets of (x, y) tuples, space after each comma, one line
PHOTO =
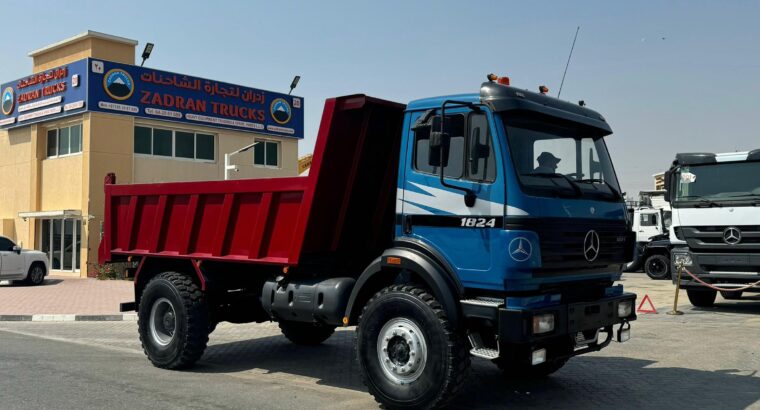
[(59, 214)]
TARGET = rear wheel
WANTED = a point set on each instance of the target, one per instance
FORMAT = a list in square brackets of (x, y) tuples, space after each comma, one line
[(303, 333), (36, 275), (701, 298), (173, 321), (409, 355), (657, 267)]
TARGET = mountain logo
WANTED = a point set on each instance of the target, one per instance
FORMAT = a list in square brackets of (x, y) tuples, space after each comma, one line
[(9, 101), (280, 110), (118, 84)]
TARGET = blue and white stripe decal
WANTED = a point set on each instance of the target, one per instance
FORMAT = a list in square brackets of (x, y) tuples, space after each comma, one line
[(426, 200)]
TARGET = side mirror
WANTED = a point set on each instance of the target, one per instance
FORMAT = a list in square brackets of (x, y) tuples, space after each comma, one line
[(16, 249), (478, 150), (668, 180), (440, 142)]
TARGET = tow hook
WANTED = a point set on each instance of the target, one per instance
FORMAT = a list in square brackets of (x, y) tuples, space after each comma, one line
[(624, 332)]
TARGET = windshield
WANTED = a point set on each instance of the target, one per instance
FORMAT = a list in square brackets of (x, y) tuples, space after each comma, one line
[(717, 183), (560, 161)]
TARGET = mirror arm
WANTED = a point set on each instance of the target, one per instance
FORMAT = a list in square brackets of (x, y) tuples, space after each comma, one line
[(469, 196)]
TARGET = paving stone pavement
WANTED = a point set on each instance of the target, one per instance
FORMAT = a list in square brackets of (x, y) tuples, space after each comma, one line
[(65, 296), (706, 359)]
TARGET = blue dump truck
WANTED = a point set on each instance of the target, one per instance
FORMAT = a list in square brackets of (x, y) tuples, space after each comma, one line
[(488, 224)]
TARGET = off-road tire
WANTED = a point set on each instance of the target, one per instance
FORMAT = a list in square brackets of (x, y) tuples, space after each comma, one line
[(657, 267), (36, 274), (529, 372), (306, 334), (191, 318), (447, 361), (701, 298)]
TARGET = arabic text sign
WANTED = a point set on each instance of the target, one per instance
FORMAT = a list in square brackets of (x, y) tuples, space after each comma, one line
[(44, 96), (144, 92)]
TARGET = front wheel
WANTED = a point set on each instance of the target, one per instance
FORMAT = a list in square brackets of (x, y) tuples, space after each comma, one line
[(657, 267), (409, 355), (36, 275), (701, 298), (173, 321)]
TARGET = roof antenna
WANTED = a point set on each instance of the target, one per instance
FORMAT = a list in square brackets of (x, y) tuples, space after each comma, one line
[(568, 62)]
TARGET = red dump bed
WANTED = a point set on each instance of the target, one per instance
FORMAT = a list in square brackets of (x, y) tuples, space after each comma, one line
[(344, 209)]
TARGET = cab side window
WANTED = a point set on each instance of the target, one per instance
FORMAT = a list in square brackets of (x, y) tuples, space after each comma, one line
[(455, 128), (471, 154), (648, 219)]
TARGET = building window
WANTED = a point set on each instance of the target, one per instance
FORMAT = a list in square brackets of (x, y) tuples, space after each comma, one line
[(163, 142), (64, 141), (266, 153)]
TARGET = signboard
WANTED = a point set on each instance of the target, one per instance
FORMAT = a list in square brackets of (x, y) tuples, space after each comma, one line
[(47, 95), (145, 92)]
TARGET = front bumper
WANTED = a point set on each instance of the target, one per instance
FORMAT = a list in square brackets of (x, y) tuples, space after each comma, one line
[(718, 268), (579, 328)]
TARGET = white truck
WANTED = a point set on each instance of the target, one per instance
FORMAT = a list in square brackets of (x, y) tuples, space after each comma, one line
[(21, 265), (715, 232), (652, 246)]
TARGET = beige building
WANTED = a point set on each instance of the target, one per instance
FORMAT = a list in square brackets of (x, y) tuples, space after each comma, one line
[(52, 170), (659, 181)]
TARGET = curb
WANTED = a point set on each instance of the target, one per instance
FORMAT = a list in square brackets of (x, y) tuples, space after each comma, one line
[(126, 317)]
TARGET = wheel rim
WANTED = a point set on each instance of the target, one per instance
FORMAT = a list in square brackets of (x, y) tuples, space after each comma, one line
[(401, 350), (163, 321), (37, 274), (657, 267)]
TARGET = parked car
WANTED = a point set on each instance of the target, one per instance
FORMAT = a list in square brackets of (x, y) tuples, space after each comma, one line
[(22, 265)]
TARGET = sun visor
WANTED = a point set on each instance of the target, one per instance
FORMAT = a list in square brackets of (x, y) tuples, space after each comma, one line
[(695, 158)]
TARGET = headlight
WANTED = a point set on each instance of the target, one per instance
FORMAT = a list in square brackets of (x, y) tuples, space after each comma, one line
[(682, 259), (625, 308), (543, 323)]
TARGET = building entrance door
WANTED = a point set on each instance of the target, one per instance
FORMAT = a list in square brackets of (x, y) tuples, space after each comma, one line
[(61, 240)]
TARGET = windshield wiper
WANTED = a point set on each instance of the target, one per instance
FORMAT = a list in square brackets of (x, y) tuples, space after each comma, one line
[(576, 187), (707, 203), (591, 181)]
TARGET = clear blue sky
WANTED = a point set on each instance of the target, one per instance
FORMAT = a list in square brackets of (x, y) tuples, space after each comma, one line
[(696, 90)]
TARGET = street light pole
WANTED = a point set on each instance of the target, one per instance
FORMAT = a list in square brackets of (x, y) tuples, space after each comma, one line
[(228, 166)]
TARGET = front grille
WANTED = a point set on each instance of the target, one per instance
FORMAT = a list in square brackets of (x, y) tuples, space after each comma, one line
[(710, 238), (562, 242)]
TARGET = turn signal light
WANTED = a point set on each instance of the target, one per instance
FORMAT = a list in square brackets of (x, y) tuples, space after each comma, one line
[(500, 80)]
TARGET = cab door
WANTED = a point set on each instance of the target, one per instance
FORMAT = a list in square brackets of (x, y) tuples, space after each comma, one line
[(649, 226), (436, 213)]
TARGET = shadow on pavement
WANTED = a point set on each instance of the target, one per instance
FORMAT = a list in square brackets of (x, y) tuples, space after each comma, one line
[(20, 284), (748, 305), (585, 382)]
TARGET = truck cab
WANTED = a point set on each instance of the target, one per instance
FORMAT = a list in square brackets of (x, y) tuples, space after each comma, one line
[(518, 191), (716, 223)]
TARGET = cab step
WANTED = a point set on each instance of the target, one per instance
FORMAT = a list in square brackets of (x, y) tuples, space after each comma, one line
[(479, 350)]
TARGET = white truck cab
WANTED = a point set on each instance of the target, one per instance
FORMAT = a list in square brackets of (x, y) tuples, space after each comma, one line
[(18, 264), (716, 222)]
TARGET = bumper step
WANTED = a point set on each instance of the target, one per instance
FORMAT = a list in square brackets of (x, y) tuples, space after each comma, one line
[(485, 353), (479, 350)]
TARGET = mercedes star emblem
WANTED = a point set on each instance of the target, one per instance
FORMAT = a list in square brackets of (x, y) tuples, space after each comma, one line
[(591, 246), (732, 235), (520, 249)]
